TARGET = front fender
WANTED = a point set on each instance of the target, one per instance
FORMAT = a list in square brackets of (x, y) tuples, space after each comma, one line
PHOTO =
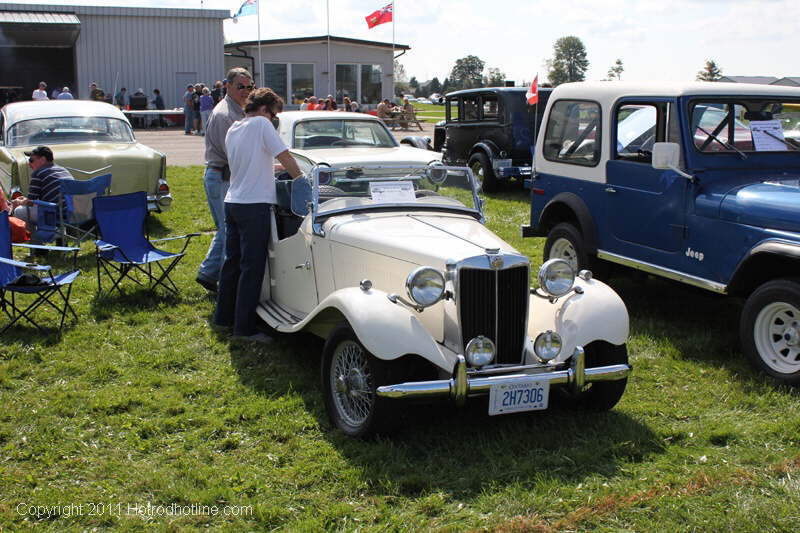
[(387, 330), (488, 147), (596, 314)]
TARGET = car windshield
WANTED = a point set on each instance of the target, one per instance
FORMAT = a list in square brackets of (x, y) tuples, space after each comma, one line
[(60, 130), (409, 188), (747, 126), (338, 133)]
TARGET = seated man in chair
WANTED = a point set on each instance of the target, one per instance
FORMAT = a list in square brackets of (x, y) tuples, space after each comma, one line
[(44, 184)]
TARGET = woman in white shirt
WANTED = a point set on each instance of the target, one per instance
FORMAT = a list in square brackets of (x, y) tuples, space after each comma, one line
[(252, 145), (41, 92)]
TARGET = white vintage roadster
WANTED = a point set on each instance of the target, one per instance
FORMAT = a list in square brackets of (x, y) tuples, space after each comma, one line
[(416, 298)]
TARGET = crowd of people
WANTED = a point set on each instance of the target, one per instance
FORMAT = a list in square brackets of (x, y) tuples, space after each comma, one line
[(198, 101), (312, 103)]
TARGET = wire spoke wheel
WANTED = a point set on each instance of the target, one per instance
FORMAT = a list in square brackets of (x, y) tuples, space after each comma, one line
[(352, 383), (477, 171), (776, 333)]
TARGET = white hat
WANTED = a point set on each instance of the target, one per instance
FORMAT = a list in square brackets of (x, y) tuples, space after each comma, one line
[(65, 90)]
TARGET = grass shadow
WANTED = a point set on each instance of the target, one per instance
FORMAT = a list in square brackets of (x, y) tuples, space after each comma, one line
[(458, 450), (103, 305)]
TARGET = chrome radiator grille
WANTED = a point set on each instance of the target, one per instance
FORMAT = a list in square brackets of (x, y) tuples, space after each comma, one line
[(494, 303)]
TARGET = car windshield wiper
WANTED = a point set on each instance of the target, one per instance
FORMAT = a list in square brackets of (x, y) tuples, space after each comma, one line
[(786, 144), (723, 143)]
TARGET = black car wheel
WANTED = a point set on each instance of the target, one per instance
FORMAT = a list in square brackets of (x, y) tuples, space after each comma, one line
[(601, 395), (484, 173), (350, 377), (770, 329)]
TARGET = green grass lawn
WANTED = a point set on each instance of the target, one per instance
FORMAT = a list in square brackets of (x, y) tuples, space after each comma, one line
[(141, 403), (429, 112)]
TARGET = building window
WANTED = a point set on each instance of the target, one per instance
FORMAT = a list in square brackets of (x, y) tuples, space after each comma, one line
[(371, 84), (290, 79), (346, 82), (302, 82)]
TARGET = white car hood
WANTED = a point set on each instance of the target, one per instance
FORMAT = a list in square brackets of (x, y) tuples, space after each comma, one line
[(420, 238), (358, 155)]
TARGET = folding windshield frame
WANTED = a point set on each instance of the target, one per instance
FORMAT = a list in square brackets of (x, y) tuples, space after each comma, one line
[(317, 218)]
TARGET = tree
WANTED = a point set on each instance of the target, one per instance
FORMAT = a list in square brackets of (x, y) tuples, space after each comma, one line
[(467, 73), (399, 72), (446, 86), (711, 72), (495, 78), (569, 61), (434, 86), (616, 70)]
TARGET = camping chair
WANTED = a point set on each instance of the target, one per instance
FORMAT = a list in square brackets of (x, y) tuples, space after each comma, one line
[(125, 249), (46, 227), (46, 289), (76, 220)]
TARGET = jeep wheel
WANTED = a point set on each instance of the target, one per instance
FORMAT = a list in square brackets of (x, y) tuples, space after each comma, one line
[(484, 173), (350, 376), (601, 395), (565, 242), (770, 329)]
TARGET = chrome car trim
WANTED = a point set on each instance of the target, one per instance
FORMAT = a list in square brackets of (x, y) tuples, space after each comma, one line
[(665, 272), (461, 386), (87, 172)]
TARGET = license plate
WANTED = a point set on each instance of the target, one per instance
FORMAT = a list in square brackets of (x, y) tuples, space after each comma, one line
[(522, 395), (501, 163)]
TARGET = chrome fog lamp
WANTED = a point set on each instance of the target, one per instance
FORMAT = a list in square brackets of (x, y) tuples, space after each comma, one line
[(425, 286), (480, 351), (547, 345), (556, 277)]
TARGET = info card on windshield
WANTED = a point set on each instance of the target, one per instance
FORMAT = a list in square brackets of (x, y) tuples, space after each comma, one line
[(768, 135), (392, 192)]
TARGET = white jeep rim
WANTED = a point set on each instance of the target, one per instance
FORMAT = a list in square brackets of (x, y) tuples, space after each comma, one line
[(776, 333), (563, 249), (351, 383)]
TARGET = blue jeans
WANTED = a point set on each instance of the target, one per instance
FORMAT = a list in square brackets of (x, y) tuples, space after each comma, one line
[(243, 271), (188, 118), (216, 189)]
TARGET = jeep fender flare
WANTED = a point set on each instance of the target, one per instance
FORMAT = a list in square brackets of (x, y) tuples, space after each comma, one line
[(598, 313), (387, 330), (768, 259), (576, 205)]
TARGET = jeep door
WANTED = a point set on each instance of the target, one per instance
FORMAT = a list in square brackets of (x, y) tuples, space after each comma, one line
[(645, 206)]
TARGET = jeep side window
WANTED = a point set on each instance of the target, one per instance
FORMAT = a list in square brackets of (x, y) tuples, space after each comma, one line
[(573, 133), (490, 109), (639, 126), (451, 111)]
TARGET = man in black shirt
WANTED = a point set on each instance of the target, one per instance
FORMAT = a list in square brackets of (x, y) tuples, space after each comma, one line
[(44, 184)]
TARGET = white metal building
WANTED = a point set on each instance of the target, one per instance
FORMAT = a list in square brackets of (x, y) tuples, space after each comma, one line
[(115, 47), (301, 67)]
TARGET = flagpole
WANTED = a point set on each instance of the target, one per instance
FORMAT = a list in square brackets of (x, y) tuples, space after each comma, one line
[(535, 136), (394, 17), (328, 17), (260, 63)]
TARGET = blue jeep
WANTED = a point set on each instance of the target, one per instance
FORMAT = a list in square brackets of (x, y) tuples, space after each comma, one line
[(698, 182)]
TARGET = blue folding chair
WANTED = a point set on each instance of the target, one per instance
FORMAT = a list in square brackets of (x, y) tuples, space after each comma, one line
[(76, 220), (45, 289), (46, 227), (124, 248)]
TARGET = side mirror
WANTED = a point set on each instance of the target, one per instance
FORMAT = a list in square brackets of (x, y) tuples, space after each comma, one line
[(667, 156)]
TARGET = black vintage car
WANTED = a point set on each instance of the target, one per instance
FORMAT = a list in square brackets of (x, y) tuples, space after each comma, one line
[(489, 129)]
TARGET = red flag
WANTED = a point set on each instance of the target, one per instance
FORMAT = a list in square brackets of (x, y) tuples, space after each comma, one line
[(533, 94), (380, 16)]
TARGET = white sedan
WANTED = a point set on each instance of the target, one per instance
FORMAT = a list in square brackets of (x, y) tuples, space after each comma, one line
[(334, 138)]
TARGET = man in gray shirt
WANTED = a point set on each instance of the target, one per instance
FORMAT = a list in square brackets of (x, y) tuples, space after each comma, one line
[(217, 174)]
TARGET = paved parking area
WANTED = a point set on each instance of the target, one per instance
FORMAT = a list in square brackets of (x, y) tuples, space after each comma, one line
[(184, 150)]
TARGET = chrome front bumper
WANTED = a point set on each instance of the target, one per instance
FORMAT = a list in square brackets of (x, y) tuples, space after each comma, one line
[(463, 385)]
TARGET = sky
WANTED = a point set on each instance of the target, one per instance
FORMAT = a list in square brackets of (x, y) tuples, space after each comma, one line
[(655, 40)]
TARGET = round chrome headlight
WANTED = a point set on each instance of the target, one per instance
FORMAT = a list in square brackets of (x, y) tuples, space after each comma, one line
[(425, 286), (556, 277), (480, 351), (547, 345)]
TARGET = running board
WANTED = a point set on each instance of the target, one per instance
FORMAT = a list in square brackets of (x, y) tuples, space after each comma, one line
[(279, 317)]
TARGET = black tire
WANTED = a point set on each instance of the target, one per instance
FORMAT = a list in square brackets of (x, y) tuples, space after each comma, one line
[(483, 171), (359, 413), (601, 395), (567, 232), (769, 329)]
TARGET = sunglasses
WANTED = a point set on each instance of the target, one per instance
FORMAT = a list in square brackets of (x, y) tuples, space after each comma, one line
[(248, 87)]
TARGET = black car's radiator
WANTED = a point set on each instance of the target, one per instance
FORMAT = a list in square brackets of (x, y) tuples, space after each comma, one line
[(494, 303)]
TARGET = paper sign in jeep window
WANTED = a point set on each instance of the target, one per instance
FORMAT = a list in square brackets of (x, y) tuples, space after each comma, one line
[(748, 126), (573, 133)]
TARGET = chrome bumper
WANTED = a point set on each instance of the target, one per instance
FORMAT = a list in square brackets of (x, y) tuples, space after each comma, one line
[(462, 385), (159, 203)]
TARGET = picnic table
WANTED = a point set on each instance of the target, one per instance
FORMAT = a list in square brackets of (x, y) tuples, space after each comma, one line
[(154, 117), (402, 119)]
